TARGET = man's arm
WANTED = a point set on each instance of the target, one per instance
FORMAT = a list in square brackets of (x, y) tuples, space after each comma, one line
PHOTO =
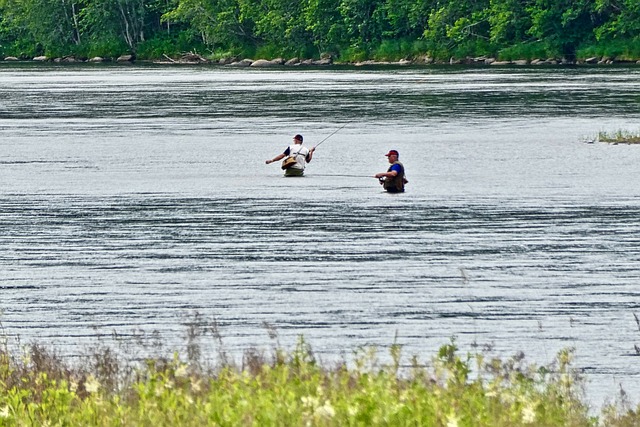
[(389, 174), (276, 158), (310, 154)]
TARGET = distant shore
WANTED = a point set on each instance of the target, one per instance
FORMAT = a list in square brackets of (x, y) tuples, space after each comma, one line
[(194, 59)]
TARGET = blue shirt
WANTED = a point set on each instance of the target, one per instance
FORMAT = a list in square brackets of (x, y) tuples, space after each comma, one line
[(396, 168)]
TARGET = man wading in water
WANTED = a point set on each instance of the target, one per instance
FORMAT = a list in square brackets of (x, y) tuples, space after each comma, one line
[(393, 179), (300, 155)]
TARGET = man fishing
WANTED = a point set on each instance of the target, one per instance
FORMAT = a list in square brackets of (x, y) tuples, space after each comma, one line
[(296, 157), (393, 180)]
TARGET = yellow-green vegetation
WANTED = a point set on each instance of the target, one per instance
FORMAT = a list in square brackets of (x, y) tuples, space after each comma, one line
[(293, 389), (620, 137)]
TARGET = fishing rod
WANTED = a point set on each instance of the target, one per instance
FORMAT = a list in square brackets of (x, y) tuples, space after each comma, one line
[(333, 133)]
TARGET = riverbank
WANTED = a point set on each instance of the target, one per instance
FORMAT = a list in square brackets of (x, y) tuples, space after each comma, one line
[(294, 389), (194, 59)]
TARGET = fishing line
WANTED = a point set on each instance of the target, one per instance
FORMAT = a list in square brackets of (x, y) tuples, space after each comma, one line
[(351, 176), (334, 132)]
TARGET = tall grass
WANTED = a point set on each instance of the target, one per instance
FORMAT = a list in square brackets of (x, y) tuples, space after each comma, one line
[(620, 49), (394, 50), (528, 51), (619, 137), (291, 388)]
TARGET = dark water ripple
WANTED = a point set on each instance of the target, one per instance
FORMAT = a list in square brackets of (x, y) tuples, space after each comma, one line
[(178, 239), (357, 94)]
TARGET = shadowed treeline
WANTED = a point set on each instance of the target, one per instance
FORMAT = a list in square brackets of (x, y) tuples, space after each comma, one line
[(347, 30)]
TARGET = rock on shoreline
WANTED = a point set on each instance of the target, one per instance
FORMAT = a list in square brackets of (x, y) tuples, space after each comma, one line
[(193, 58)]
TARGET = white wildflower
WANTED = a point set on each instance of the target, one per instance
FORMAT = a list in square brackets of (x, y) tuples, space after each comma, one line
[(26, 358), (4, 412), (196, 385), (352, 411), (529, 414), (182, 371), (509, 398), (310, 402), (325, 411), (91, 384), (452, 420), (492, 390)]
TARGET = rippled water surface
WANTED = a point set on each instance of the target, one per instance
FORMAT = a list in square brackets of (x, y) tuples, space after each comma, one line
[(132, 198)]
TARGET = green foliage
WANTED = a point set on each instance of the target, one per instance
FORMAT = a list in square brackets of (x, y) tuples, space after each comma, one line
[(156, 48), (364, 22), (621, 19), (393, 50), (324, 24), (354, 54), (406, 18), (472, 48), (352, 30), (268, 52), (171, 46), (458, 29), (563, 24), (619, 49), (21, 48), (620, 137), (293, 389), (529, 51), (508, 20), (104, 47), (221, 23), (124, 18)]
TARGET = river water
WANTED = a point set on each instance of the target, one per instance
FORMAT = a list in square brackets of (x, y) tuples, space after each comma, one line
[(134, 199)]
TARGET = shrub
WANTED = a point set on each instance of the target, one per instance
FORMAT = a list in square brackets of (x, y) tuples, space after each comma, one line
[(354, 54), (624, 50), (106, 48), (528, 51)]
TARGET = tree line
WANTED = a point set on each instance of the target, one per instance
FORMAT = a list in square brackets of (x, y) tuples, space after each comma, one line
[(350, 30)]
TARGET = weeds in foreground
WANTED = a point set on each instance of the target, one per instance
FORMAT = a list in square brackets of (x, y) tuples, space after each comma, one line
[(293, 389)]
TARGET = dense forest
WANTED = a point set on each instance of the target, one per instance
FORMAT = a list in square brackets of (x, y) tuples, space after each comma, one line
[(348, 30)]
